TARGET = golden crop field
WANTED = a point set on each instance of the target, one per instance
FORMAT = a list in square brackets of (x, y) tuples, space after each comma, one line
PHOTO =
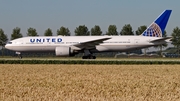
[(89, 82)]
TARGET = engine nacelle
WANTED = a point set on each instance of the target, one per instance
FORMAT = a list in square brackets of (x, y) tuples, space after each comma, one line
[(64, 51)]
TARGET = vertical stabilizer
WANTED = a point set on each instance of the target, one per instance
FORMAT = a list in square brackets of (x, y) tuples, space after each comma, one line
[(156, 29)]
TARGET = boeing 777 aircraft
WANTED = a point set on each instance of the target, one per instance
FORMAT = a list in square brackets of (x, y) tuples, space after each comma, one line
[(71, 45)]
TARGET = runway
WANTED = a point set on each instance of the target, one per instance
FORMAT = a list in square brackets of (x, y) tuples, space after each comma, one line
[(98, 58), (109, 61)]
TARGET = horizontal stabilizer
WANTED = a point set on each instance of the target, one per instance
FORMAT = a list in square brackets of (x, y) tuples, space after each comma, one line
[(161, 39)]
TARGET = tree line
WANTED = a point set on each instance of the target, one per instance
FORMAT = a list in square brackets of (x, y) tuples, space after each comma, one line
[(82, 30)]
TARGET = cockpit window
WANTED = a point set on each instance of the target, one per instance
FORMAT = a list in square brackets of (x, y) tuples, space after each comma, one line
[(9, 43)]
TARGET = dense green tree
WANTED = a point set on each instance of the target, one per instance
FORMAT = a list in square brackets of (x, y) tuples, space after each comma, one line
[(3, 40), (112, 30), (82, 30), (176, 38), (32, 32), (96, 30), (3, 37), (48, 32), (163, 45), (16, 33), (63, 31), (126, 30), (141, 29)]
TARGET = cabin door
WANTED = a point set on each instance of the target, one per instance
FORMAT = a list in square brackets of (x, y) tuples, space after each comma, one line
[(136, 41)]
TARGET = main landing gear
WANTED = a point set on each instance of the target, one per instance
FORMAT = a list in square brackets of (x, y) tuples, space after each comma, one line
[(88, 55)]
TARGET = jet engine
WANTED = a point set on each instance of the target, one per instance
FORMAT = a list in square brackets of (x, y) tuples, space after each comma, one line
[(64, 51)]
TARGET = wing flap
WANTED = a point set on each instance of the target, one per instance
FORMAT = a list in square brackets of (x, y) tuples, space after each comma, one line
[(90, 44)]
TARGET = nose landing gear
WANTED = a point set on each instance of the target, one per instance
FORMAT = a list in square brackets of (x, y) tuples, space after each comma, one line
[(19, 55)]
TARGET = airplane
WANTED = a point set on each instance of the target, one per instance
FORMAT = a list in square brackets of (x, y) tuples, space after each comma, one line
[(72, 45)]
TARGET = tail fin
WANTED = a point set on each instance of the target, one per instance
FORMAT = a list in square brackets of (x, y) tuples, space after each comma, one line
[(156, 29)]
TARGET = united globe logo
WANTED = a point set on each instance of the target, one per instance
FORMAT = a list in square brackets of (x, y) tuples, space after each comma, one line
[(153, 31)]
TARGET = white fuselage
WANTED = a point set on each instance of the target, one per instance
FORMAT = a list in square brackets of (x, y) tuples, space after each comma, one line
[(49, 43)]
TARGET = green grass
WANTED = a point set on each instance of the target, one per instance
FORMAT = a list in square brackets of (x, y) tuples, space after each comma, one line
[(98, 58)]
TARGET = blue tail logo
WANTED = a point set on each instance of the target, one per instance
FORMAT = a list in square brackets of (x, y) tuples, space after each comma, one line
[(156, 29)]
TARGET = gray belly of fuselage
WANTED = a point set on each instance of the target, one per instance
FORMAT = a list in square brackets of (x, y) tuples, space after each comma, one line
[(119, 48), (99, 48)]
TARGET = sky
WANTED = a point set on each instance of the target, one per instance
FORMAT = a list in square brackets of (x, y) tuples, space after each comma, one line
[(44, 14)]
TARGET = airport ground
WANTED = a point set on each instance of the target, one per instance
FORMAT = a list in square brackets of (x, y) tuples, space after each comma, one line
[(42, 82), (98, 58)]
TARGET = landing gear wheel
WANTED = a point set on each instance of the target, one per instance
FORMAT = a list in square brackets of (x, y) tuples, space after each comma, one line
[(89, 57), (94, 57), (84, 57), (20, 57)]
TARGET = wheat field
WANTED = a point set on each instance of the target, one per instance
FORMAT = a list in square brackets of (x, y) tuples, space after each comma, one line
[(89, 82)]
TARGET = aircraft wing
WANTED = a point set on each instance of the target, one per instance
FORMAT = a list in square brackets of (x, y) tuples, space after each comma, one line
[(164, 38), (90, 44)]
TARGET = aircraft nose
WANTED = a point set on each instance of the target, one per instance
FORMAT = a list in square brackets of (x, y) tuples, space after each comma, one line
[(7, 46)]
